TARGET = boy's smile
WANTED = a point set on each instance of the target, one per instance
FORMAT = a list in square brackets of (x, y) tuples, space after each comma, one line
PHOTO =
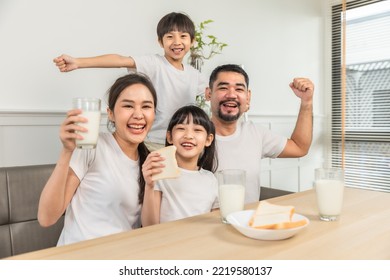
[(177, 50), (176, 45)]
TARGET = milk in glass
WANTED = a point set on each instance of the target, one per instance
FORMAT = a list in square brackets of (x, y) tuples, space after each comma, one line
[(231, 198), (329, 187), (330, 197), (91, 136), (91, 111), (231, 185)]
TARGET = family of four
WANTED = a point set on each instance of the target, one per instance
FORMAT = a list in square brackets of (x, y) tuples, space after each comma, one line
[(110, 189)]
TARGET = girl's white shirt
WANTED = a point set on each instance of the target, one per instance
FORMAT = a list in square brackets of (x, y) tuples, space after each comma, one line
[(192, 193)]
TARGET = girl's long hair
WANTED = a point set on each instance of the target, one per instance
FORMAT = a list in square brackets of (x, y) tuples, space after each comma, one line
[(208, 159)]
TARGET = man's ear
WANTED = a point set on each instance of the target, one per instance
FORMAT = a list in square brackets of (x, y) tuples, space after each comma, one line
[(207, 94), (248, 103), (169, 137)]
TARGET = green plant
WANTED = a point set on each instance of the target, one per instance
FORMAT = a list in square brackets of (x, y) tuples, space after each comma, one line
[(205, 46)]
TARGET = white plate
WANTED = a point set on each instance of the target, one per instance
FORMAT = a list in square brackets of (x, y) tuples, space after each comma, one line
[(239, 220)]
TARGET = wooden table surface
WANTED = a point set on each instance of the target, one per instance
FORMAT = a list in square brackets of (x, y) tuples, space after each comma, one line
[(363, 232)]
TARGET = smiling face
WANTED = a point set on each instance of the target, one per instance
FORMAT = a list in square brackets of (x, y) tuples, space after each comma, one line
[(176, 45), (190, 140), (133, 114), (229, 96)]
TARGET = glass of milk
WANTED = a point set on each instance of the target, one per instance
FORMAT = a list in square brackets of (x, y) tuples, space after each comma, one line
[(329, 187), (90, 110), (231, 186)]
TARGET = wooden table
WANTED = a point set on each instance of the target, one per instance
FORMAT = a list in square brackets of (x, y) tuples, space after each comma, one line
[(363, 232)]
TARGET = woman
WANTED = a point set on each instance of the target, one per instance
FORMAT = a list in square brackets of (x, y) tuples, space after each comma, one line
[(101, 189)]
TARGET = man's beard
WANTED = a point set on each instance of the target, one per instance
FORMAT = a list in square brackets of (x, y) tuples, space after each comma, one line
[(228, 118)]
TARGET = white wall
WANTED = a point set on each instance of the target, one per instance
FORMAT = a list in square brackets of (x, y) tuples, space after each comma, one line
[(274, 40)]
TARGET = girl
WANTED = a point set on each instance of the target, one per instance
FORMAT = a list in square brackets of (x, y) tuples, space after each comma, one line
[(101, 189), (195, 191)]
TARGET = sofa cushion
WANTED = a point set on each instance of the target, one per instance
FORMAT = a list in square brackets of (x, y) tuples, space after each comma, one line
[(30, 236), (25, 185), (20, 189), (5, 241), (4, 213), (267, 193)]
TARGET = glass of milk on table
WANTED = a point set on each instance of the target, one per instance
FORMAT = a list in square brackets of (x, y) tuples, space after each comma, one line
[(231, 186), (90, 110), (329, 187)]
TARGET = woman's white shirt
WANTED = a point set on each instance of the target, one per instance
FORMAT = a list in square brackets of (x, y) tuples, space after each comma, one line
[(106, 200)]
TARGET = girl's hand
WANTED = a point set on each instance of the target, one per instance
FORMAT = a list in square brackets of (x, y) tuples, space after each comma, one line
[(152, 165), (69, 128)]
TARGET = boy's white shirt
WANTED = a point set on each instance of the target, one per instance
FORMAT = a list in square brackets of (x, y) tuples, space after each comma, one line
[(175, 89)]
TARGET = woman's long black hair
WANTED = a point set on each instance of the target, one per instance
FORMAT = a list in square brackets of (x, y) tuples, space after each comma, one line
[(208, 160), (113, 94)]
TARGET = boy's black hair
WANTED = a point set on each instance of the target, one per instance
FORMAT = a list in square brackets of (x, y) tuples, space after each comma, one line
[(208, 159), (175, 22)]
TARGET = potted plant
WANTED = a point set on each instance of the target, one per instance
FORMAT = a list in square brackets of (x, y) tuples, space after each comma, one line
[(204, 48)]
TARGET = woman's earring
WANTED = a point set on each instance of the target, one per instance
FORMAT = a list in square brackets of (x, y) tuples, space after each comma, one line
[(111, 125)]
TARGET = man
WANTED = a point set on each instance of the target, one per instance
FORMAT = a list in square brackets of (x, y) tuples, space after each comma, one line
[(241, 145)]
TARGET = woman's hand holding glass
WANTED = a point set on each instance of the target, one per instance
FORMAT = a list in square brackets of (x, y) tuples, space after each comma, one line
[(68, 134)]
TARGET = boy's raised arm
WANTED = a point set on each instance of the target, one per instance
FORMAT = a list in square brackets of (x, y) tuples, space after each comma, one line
[(66, 63)]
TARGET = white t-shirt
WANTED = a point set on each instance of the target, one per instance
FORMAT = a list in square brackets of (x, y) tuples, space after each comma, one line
[(192, 193), (244, 150), (175, 88), (106, 200)]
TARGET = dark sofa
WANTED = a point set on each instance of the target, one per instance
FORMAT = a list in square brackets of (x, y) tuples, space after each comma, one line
[(20, 232)]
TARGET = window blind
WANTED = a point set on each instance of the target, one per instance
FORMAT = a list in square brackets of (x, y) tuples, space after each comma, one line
[(361, 115)]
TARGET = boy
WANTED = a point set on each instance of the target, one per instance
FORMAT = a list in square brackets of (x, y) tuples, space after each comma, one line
[(176, 84)]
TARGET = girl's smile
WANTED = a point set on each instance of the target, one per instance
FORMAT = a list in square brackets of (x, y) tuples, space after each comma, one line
[(190, 140)]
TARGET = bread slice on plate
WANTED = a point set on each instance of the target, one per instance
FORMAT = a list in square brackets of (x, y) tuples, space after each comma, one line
[(272, 216), (171, 170)]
